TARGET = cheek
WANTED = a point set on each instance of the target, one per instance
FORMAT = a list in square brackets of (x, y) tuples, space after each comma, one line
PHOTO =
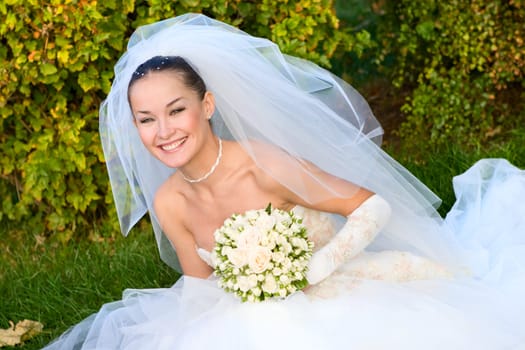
[(146, 134), (194, 123)]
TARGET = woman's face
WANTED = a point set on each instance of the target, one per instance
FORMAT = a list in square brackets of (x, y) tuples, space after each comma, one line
[(171, 118)]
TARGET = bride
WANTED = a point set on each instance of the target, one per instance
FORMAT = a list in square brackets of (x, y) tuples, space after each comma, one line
[(204, 121)]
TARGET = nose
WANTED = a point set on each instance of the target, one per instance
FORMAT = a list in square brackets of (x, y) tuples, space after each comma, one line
[(164, 128)]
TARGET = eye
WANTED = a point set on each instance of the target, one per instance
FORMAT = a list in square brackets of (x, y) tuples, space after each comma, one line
[(146, 120), (177, 110)]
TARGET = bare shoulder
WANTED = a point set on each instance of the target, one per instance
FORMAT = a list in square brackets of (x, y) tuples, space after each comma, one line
[(301, 182), (271, 163), (169, 206), (170, 209)]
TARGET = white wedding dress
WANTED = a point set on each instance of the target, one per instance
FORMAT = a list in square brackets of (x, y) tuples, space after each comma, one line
[(376, 301)]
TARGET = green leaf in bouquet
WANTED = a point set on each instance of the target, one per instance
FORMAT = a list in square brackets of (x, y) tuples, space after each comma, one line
[(301, 284), (268, 208)]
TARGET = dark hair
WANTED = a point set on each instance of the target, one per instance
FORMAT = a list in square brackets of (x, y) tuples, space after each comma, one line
[(173, 63)]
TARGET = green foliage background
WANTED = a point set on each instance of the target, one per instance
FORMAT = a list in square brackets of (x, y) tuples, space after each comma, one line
[(56, 66), (464, 64), (460, 65)]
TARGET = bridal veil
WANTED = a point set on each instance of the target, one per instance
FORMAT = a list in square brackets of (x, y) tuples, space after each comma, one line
[(264, 95)]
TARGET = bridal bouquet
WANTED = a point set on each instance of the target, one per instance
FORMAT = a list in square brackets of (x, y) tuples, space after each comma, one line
[(262, 254)]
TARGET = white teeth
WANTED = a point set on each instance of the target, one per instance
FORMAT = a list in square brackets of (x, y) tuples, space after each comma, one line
[(172, 146)]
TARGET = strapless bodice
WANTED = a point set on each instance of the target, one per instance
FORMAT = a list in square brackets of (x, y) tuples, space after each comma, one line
[(396, 266)]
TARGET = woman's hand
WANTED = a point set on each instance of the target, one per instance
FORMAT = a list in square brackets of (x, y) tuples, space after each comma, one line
[(362, 226)]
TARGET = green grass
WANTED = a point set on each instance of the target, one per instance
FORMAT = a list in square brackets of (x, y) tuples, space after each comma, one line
[(59, 285), (437, 169)]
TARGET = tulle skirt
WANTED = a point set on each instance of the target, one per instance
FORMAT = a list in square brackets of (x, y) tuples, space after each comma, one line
[(484, 310)]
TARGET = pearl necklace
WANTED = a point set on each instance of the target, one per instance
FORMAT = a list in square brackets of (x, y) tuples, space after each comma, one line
[(213, 167)]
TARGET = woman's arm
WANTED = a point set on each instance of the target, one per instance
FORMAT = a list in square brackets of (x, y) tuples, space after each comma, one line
[(366, 212), (169, 209), (306, 184), (360, 229)]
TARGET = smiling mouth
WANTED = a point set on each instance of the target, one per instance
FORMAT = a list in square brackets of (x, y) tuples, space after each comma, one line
[(174, 145)]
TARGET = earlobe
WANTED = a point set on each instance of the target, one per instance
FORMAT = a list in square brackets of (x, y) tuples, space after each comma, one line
[(209, 104)]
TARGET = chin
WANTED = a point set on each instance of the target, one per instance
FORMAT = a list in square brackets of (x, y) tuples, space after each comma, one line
[(170, 160), (172, 163)]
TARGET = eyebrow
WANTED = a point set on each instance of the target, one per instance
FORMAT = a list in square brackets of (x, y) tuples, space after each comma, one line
[(174, 101), (167, 105)]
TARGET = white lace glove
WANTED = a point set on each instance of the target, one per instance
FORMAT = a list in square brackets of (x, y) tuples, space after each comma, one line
[(363, 224)]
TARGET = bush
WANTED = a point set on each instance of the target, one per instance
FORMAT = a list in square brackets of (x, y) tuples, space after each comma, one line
[(464, 62), (56, 66)]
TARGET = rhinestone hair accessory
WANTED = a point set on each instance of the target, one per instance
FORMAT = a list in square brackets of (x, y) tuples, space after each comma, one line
[(141, 70)]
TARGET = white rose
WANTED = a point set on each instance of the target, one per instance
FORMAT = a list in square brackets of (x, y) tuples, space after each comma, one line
[(269, 285), (253, 280), (240, 223), (280, 226), (225, 250), (277, 271), (264, 241), (288, 232), (278, 257), (219, 237), (215, 259), (249, 238), (287, 248), (256, 291), (296, 227), (297, 264), (300, 243), (265, 222), (281, 215), (259, 259), (274, 236), (304, 264), (251, 214), (231, 233), (281, 240), (271, 245), (286, 264), (237, 257), (230, 284), (284, 279), (283, 293), (244, 283)]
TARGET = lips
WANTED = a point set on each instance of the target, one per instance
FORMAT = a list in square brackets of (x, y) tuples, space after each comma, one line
[(172, 146)]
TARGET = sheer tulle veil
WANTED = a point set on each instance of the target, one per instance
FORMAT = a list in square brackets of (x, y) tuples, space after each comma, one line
[(266, 96)]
